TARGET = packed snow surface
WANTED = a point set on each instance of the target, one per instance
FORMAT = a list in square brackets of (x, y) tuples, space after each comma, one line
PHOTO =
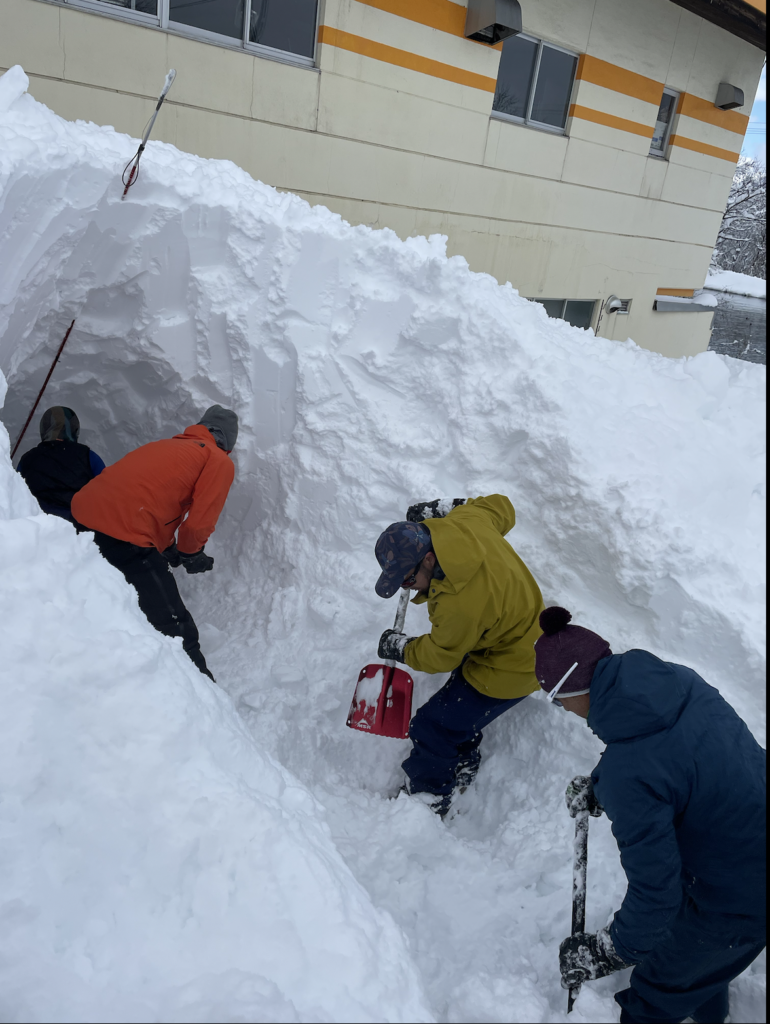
[(175, 850), (738, 284)]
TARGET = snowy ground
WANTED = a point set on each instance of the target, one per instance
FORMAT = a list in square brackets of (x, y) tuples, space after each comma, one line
[(178, 851), (738, 284)]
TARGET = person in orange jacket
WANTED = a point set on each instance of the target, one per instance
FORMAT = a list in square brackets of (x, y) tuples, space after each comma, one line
[(136, 506)]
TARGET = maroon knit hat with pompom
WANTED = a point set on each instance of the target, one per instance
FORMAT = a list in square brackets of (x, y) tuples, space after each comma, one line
[(560, 646)]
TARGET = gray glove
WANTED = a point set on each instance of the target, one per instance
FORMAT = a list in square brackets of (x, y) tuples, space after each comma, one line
[(198, 562), (585, 957), (392, 644), (580, 797), (436, 509)]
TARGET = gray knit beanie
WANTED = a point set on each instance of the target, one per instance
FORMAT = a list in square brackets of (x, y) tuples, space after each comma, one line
[(222, 424)]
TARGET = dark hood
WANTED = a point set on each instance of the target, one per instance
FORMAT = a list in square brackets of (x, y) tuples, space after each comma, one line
[(222, 425), (59, 424), (635, 694)]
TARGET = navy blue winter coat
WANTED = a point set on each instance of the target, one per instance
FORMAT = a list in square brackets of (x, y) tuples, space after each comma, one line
[(683, 782)]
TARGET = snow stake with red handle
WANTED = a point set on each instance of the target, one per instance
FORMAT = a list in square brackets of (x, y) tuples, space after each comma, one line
[(382, 702)]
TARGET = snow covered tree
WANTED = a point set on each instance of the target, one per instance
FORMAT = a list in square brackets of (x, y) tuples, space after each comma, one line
[(741, 242)]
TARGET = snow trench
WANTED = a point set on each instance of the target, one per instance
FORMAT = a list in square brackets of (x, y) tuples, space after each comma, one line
[(235, 853)]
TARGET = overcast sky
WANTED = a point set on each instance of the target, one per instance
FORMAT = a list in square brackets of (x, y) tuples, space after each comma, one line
[(755, 141)]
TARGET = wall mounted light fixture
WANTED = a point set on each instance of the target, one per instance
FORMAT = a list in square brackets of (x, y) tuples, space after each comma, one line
[(489, 21)]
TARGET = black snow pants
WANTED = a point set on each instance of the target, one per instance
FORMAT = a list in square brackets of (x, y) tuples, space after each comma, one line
[(689, 973), (149, 572)]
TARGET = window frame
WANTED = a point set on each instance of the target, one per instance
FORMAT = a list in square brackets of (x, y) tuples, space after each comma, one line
[(662, 153), (527, 121), (162, 21), (541, 300)]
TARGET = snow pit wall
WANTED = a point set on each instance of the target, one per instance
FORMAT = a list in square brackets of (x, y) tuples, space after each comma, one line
[(368, 372)]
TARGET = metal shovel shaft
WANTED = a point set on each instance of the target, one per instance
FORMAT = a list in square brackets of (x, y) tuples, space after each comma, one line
[(387, 677), (398, 625), (579, 867)]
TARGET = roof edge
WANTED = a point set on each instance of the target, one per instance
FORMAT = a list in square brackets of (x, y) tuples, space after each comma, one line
[(746, 19)]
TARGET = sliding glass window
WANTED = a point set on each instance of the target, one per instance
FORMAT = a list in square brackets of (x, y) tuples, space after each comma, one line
[(282, 26), (664, 123), (578, 312), (534, 82)]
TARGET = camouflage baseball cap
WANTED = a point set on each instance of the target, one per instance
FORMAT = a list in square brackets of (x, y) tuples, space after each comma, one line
[(399, 550)]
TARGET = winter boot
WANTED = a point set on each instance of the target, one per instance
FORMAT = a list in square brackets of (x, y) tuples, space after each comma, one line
[(438, 804), (466, 772)]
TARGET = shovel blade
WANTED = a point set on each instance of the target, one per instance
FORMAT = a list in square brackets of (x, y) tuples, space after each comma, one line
[(392, 720)]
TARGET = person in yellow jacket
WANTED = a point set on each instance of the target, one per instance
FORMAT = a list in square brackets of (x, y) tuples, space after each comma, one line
[(484, 607)]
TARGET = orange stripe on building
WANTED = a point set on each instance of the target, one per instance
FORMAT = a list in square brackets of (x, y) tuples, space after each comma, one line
[(684, 293), (704, 110), (702, 147), (610, 121), (403, 59), (610, 76), (439, 14)]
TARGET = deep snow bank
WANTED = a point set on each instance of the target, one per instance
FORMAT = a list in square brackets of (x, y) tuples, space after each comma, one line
[(737, 284), (369, 372), (156, 865)]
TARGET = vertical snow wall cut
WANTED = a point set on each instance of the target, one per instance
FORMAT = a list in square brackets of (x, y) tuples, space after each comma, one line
[(368, 372)]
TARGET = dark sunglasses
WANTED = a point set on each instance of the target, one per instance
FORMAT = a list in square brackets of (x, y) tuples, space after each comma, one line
[(410, 580)]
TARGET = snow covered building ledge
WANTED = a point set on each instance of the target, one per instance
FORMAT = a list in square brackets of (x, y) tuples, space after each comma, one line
[(582, 157)]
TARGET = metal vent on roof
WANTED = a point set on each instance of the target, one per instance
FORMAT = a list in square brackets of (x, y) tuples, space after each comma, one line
[(489, 21)]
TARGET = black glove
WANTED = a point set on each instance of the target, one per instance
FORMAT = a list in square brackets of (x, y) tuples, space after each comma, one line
[(199, 562), (436, 509), (172, 556), (392, 644), (580, 797), (585, 957)]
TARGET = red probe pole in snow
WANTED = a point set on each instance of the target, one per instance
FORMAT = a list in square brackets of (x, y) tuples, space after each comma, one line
[(40, 392), (131, 170)]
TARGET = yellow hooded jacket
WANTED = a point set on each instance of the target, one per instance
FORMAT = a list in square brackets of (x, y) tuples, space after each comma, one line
[(488, 605)]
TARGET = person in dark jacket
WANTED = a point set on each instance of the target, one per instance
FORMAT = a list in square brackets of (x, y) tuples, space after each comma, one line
[(59, 466), (136, 507), (683, 782)]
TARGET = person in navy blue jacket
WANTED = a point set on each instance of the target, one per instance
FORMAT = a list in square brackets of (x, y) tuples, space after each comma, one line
[(59, 466), (683, 782)]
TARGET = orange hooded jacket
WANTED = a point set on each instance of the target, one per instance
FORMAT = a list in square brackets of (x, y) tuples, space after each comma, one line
[(144, 496)]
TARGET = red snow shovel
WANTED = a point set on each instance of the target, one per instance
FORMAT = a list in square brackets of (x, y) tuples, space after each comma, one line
[(382, 702)]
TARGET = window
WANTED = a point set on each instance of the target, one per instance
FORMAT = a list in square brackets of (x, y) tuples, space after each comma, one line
[(288, 26), (284, 25), (225, 17), (142, 6), (664, 122), (577, 312), (534, 82)]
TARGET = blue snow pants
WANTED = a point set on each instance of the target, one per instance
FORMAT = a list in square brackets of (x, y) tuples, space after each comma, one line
[(446, 733), (689, 973)]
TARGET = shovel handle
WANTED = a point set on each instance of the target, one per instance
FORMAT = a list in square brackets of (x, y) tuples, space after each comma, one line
[(398, 625), (387, 675), (579, 870)]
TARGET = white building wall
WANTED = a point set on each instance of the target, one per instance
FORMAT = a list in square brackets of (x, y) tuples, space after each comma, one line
[(580, 215)]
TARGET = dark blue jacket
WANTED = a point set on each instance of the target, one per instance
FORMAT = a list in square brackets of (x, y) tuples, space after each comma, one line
[(56, 470), (683, 782)]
